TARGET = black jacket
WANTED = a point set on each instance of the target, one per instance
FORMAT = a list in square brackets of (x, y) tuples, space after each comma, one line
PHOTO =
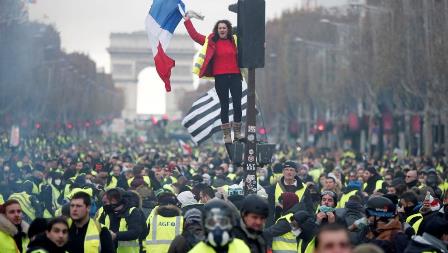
[(134, 221), (371, 184), (255, 241), (41, 242), (426, 243), (76, 238), (191, 235)]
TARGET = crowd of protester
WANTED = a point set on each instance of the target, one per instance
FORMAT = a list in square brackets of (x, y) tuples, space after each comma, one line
[(62, 193)]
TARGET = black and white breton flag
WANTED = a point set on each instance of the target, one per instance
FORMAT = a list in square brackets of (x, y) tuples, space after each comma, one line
[(203, 119)]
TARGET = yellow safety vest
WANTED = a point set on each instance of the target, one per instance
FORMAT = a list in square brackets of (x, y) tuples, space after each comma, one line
[(8, 245), (231, 176), (162, 231), (25, 204), (92, 242), (236, 246), (345, 197), (145, 178), (112, 184), (285, 243), (309, 247), (199, 60), (415, 223), (2, 201), (275, 178), (378, 185), (124, 246), (279, 189)]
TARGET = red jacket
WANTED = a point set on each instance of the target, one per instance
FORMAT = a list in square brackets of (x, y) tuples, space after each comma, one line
[(207, 66)]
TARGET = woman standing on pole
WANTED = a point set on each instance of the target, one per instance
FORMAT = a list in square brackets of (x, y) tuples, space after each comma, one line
[(218, 58)]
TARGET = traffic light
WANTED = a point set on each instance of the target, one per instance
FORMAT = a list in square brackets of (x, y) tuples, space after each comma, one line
[(250, 32)]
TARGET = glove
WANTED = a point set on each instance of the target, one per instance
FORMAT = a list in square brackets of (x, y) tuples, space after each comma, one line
[(193, 14)]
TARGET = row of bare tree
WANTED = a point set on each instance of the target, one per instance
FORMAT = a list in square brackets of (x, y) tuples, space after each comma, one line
[(382, 57), (41, 83)]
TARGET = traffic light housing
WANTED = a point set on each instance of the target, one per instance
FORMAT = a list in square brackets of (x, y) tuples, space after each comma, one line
[(250, 32)]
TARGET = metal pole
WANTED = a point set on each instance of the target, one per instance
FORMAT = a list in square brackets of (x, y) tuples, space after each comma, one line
[(250, 166)]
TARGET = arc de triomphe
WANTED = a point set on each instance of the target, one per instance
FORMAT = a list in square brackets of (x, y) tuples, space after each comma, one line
[(130, 54)]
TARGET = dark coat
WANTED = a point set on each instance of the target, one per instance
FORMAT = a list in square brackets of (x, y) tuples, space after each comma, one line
[(255, 241), (191, 235), (425, 243), (41, 242), (305, 204)]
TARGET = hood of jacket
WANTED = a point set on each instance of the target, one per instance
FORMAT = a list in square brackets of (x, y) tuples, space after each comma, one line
[(299, 182), (7, 227), (431, 241), (168, 211)]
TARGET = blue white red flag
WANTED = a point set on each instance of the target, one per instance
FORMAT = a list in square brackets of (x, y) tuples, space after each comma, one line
[(162, 20)]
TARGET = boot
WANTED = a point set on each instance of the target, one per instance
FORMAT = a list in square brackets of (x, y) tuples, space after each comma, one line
[(237, 131), (227, 132)]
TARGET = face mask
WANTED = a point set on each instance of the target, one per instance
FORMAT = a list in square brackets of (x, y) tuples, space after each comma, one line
[(108, 209), (218, 237), (231, 169), (296, 232), (57, 182), (262, 178), (408, 209), (326, 209)]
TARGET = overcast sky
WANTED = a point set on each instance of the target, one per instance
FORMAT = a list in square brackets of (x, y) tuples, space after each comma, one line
[(85, 25)]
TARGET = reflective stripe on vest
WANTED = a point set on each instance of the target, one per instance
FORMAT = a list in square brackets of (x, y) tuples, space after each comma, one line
[(124, 246), (92, 239), (287, 242), (345, 197), (309, 247), (378, 185), (416, 223), (25, 204), (199, 60), (236, 246), (112, 184), (145, 179), (162, 232), (279, 190)]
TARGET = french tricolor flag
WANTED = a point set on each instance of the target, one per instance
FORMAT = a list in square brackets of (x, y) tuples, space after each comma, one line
[(162, 20)]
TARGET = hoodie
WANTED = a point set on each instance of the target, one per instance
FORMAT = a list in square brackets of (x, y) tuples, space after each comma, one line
[(41, 242)]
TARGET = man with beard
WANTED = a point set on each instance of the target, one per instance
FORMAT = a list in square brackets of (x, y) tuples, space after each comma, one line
[(12, 229), (254, 211), (54, 239), (85, 234)]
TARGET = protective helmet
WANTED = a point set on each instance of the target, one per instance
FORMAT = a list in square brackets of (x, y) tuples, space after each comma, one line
[(382, 207), (218, 220), (255, 204)]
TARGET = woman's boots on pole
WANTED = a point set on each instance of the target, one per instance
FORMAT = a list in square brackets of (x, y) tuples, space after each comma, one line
[(227, 132)]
